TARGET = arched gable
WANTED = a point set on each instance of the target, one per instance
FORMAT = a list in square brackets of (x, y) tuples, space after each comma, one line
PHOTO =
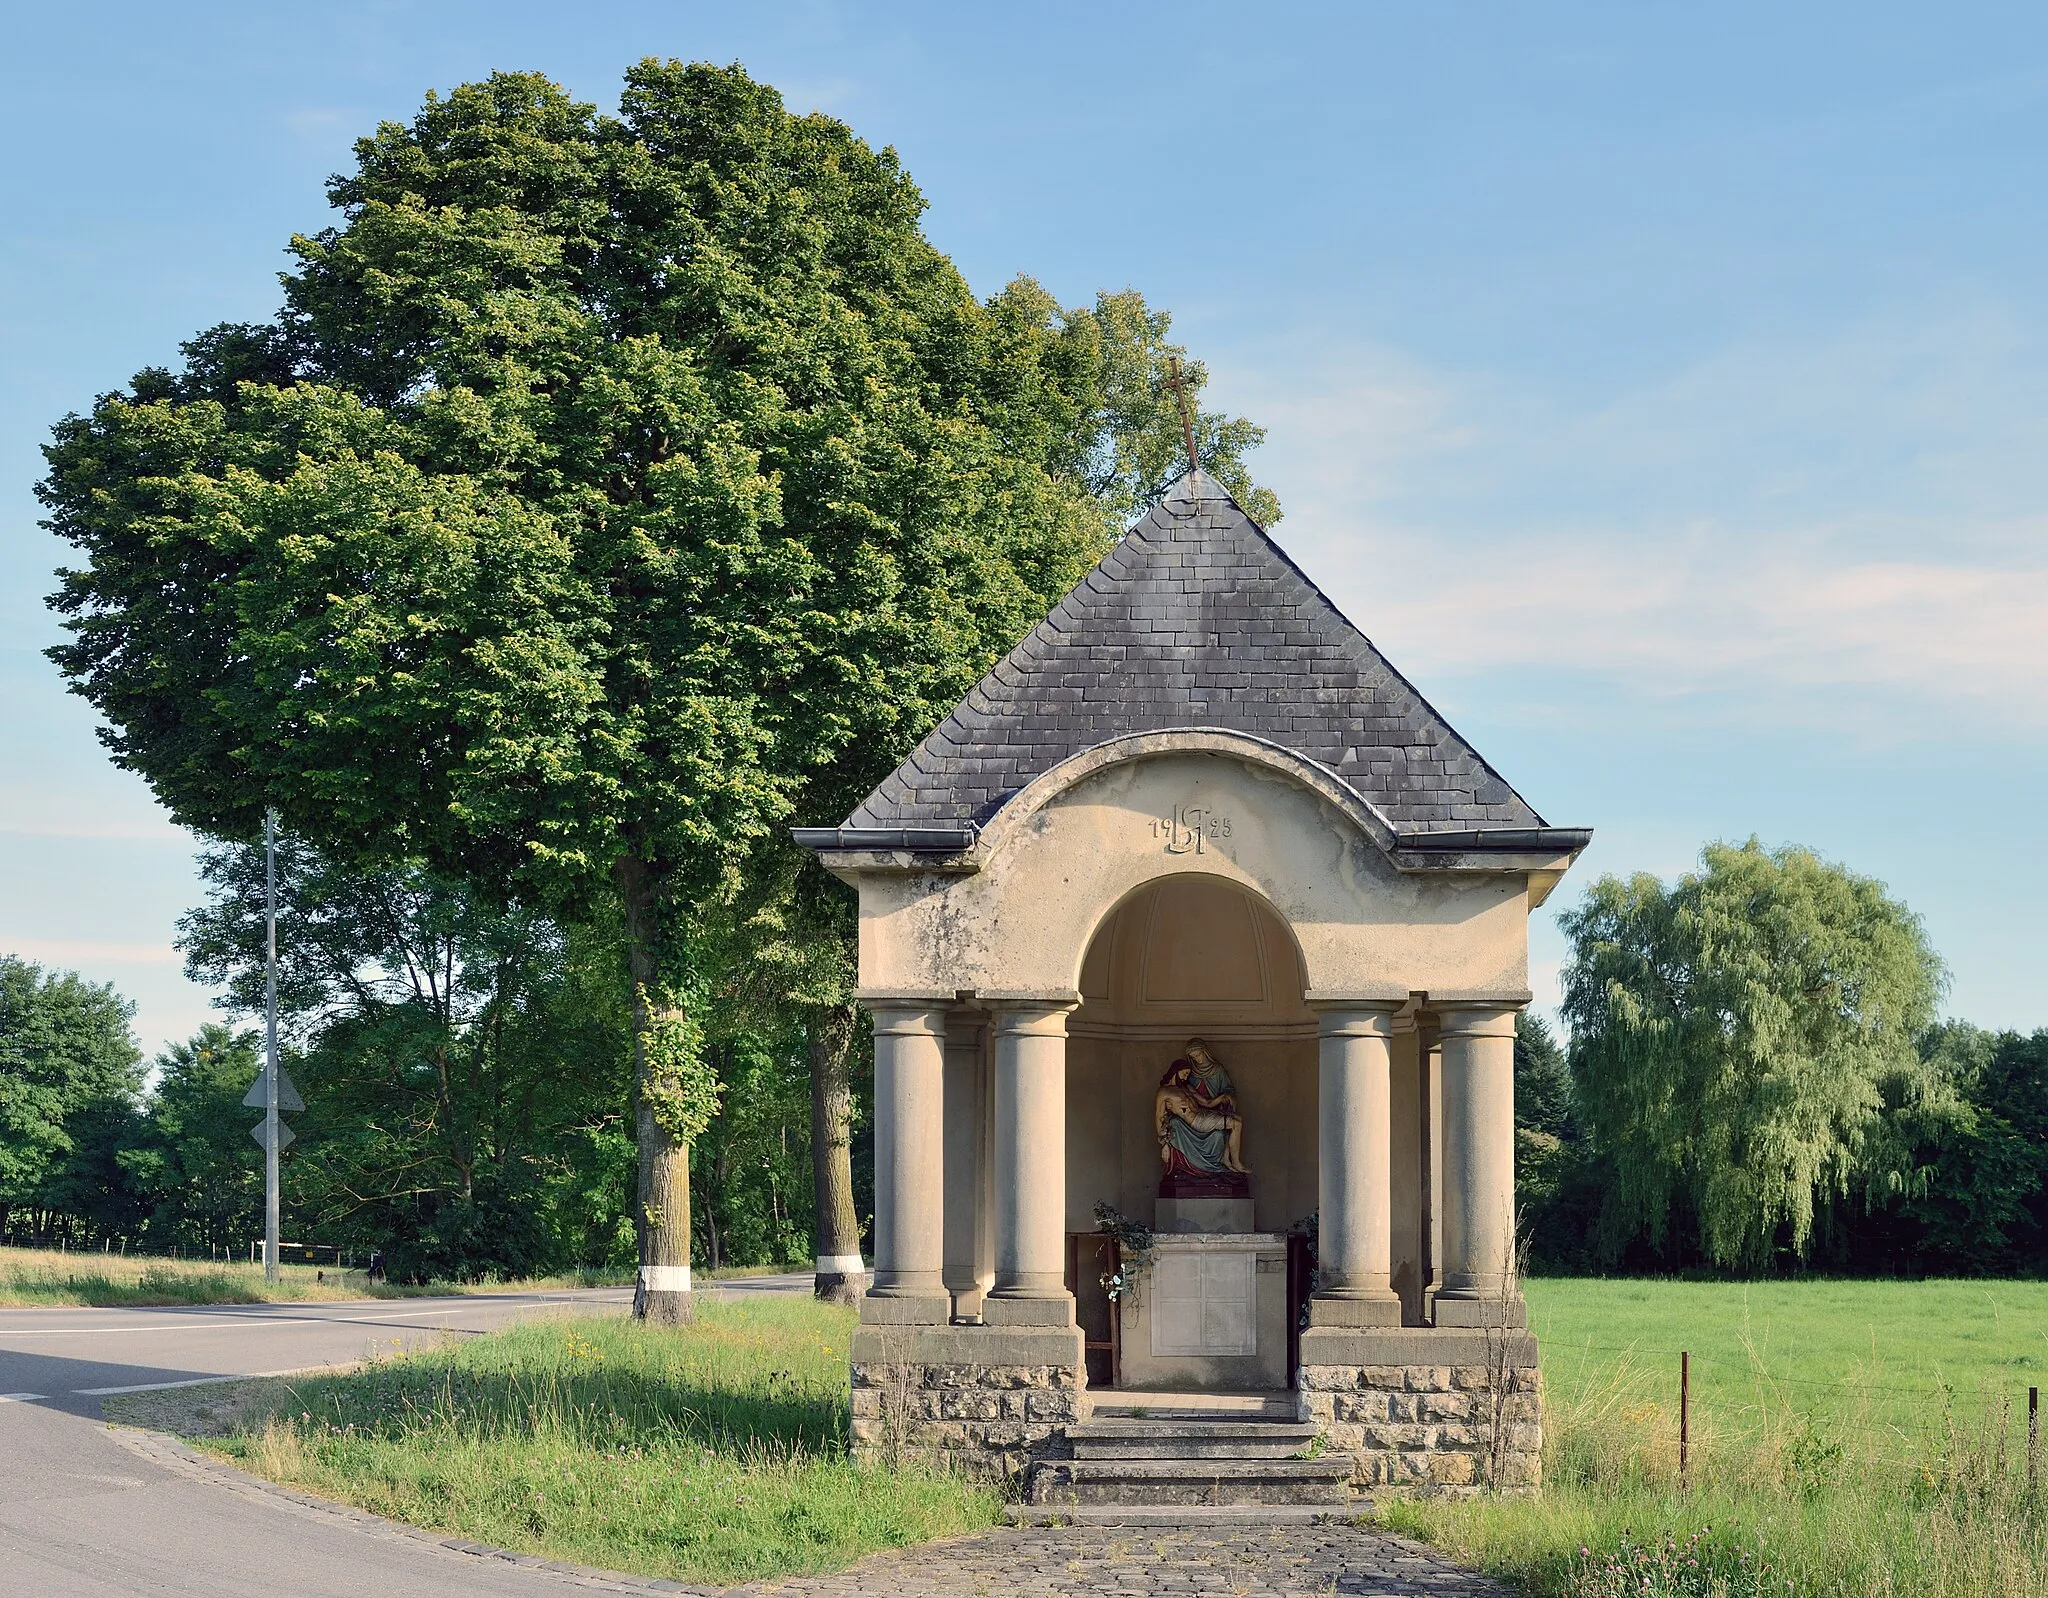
[(1015, 917)]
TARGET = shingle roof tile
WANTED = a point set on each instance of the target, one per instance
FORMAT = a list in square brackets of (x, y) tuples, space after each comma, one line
[(1196, 619)]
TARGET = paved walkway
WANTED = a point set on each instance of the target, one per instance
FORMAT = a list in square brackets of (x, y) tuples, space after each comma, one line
[(1023, 1562)]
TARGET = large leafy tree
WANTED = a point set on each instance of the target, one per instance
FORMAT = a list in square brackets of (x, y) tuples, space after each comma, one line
[(604, 482), (1543, 1130), (604, 477), (69, 1077), (1741, 1044)]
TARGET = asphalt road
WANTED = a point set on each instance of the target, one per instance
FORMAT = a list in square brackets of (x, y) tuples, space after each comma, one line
[(72, 1358), (84, 1515)]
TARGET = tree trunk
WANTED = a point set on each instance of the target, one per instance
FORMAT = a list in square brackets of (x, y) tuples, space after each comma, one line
[(719, 1172), (841, 1277), (661, 1215)]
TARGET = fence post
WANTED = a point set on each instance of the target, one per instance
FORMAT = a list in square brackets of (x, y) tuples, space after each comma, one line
[(1684, 1418), (2033, 1440)]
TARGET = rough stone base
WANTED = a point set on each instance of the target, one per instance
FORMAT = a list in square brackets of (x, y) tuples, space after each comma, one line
[(1422, 1410), (985, 1399), (1442, 1410)]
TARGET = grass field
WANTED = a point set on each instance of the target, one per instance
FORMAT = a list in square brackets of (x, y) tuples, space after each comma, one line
[(712, 1454), (31, 1277), (1846, 1438)]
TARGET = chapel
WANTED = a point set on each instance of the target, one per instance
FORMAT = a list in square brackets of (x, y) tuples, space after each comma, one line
[(1194, 940)]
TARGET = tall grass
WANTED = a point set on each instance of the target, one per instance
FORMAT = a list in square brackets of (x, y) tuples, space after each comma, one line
[(1888, 1479), (31, 1277), (711, 1454), (49, 1277)]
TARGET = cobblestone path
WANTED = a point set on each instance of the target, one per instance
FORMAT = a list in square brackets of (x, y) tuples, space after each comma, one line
[(1028, 1561)]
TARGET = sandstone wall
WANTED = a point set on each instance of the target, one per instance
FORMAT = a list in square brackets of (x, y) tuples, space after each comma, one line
[(1420, 1427), (985, 1419)]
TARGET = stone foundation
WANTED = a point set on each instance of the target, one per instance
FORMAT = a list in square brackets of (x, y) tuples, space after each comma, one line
[(1417, 1409), (985, 1399), (1422, 1410)]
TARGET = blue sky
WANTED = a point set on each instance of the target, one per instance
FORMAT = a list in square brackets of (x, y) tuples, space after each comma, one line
[(1665, 389)]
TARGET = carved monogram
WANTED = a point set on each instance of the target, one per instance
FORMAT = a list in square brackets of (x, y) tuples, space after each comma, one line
[(1188, 829)]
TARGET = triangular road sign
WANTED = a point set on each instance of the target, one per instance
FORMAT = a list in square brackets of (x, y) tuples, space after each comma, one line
[(288, 1100)]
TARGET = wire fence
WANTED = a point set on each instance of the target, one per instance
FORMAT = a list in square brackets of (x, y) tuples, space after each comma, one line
[(1759, 1371), (111, 1250), (1648, 1411)]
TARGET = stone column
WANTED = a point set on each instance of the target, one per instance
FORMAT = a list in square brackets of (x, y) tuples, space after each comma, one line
[(910, 1077), (966, 1163), (1410, 1106), (1354, 1235), (1429, 1045), (1030, 1137), (1478, 1042)]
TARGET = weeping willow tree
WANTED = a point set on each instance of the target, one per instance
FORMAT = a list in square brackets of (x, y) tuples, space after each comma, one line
[(1737, 1041)]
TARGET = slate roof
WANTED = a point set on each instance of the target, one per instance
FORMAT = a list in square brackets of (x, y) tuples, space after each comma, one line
[(1196, 619)]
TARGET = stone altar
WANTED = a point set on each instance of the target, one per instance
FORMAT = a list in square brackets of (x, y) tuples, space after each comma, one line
[(1210, 1313)]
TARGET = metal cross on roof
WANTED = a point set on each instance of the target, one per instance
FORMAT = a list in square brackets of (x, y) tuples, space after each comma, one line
[(1179, 384)]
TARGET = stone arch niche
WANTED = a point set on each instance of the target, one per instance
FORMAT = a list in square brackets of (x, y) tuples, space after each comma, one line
[(1190, 955)]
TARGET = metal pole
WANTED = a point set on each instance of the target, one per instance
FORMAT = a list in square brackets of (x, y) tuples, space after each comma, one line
[(270, 1199), (1684, 1416)]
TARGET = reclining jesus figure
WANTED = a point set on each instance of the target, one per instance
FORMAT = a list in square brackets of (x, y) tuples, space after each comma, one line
[(1195, 1116)]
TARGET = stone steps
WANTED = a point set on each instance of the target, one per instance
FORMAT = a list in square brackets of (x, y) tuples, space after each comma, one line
[(1208, 1517), (1145, 1468), (1180, 1439), (1192, 1482), (1137, 1404)]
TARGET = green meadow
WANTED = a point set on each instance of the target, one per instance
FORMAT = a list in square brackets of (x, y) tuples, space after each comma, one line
[(1845, 1438)]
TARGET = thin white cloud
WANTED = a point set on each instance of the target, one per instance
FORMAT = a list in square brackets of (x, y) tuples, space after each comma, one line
[(126, 831), (835, 96), (325, 124), (75, 952), (1546, 982), (1678, 621), (1853, 532)]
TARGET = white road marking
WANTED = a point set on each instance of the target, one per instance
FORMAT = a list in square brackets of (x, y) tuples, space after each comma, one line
[(193, 1381), (21, 1398), (217, 1323)]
